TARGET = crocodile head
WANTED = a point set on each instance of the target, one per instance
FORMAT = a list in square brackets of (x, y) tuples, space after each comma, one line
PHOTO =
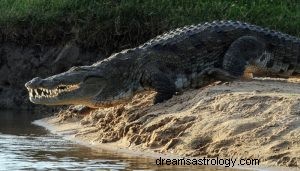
[(85, 85), (75, 86)]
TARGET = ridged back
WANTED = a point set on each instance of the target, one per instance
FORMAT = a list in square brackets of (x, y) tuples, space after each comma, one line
[(179, 34)]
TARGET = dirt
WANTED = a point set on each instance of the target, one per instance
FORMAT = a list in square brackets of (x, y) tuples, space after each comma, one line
[(245, 119)]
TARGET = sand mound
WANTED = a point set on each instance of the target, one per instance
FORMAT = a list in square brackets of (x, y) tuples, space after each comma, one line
[(257, 119)]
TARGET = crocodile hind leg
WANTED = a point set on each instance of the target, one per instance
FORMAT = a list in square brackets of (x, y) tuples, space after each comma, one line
[(241, 52), (210, 75)]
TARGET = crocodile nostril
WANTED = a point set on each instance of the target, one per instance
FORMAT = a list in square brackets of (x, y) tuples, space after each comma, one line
[(33, 83), (36, 79), (27, 85)]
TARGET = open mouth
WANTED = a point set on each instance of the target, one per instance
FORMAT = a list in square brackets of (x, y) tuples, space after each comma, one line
[(42, 93)]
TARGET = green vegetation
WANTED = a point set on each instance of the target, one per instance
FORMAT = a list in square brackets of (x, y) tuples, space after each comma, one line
[(111, 25)]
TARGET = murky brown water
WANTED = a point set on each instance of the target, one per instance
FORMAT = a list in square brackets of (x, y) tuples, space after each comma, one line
[(24, 146)]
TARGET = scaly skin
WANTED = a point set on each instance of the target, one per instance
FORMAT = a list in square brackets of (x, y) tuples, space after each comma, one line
[(187, 57)]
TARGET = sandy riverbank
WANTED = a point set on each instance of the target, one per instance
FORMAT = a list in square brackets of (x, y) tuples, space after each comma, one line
[(257, 119)]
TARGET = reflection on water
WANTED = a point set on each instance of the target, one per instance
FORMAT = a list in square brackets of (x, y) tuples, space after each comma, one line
[(24, 146), (48, 152)]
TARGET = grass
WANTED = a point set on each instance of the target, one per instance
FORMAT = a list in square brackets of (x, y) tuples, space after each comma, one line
[(111, 25)]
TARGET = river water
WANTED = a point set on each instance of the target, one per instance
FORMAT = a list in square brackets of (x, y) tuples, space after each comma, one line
[(24, 146)]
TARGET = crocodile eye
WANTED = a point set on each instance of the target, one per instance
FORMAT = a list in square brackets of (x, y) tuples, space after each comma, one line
[(74, 68), (79, 68)]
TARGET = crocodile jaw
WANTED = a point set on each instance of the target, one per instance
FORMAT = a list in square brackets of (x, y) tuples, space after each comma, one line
[(51, 96)]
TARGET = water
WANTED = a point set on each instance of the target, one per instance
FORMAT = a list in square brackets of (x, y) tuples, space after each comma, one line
[(24, 146)]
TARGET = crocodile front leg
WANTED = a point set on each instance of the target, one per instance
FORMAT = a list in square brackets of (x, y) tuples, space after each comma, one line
[(160, 82), (242, 51)]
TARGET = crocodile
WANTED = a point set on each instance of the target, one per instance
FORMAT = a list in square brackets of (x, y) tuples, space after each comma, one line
[(188, 57)]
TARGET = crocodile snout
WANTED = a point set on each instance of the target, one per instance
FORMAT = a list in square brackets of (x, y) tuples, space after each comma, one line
[(34, 83)]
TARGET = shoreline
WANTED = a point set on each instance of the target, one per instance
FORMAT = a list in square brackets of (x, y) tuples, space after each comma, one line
[(258, 119), (56, 128), (50, 124)]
